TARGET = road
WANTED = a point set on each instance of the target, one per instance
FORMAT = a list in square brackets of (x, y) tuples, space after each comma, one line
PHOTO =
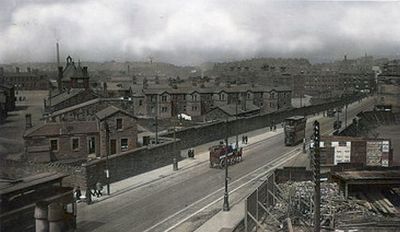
[(183, 202)]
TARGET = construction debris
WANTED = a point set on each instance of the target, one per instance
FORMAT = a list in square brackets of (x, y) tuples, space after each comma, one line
[(374, 208)]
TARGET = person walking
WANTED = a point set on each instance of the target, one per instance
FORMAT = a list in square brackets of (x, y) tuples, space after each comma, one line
[(78, 193), (246, 139), (99, 189)]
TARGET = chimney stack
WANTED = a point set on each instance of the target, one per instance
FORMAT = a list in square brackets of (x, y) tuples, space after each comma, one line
[(28, 121), (58, 54), (59, 79), (17, 69), (85, 71)]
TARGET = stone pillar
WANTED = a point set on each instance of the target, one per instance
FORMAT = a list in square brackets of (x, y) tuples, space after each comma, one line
[(41, 213), (56, 217)]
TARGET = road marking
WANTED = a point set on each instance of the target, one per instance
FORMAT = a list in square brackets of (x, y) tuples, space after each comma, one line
[(282, 157)]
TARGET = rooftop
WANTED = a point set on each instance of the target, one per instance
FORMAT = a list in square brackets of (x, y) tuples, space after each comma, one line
[(110, 110), (369, 175), (29, 182), (59, 128)]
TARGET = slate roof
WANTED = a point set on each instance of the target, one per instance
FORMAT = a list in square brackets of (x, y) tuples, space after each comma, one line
[(57, 128), (107, 112), (215, 89), (57, 99)]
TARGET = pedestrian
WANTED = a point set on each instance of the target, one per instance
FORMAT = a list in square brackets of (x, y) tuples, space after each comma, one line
[(78, 193), (246, 139), (274, 127), (242, 138), (88, 196), (99, 188)]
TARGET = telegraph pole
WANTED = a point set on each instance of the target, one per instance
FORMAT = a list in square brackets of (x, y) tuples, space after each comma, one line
[(317, 182), (157, 120), (345, 116), (236, 117), (226, 193)]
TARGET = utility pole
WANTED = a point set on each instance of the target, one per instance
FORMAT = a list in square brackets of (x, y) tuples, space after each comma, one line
[(317, 184), (107, 172), (345, 116), (157, 119), (236, 117), (226, 194)]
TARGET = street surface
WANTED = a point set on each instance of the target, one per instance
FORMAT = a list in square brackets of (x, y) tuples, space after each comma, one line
[(183, 202)]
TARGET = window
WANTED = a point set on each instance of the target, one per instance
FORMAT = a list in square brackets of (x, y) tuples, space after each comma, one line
[(54, 144), (140, 102), (75, 144), (194, 108), (124, 144), (163, 98), (119, 123), (92, 145), (164, 109)]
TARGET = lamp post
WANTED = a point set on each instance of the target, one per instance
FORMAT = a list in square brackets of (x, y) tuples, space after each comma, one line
[(225, 206), (107, 172)]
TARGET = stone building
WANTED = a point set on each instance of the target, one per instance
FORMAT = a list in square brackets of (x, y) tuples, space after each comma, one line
[(32, 79), (80, 140)]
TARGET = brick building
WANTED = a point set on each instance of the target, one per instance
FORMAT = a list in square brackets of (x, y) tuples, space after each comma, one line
[(198, 101), (389, 86), (32, 79), (356, 150), (79, 140)]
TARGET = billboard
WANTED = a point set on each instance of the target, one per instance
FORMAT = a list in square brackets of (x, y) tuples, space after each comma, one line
[(374, 153), (342, 152)]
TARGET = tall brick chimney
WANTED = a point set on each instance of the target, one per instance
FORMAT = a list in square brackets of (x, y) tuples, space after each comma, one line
[(28, 121), (59, 78)]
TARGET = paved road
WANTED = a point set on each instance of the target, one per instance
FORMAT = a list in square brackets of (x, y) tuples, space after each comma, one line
[(150, 207)]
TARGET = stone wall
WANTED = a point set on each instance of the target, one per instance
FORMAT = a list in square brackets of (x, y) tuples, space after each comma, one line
[(131, 163), (194, 136)]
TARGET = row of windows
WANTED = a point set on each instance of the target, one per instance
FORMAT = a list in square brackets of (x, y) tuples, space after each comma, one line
[(75, 144)]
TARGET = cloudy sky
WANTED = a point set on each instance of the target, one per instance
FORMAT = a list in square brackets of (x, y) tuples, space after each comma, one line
[(195, 31)]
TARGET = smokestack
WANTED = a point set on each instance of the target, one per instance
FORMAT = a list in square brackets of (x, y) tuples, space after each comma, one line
[(59, 79), (17, 69), (58, 54), (28, 121)]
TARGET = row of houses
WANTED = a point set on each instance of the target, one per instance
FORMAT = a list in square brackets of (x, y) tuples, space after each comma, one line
[(170, 101), (7, 100)]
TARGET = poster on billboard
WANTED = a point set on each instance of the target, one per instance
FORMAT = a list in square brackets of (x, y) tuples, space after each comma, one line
[(374, 153), (342, 152)]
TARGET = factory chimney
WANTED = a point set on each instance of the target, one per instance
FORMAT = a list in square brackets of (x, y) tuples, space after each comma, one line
[(58, 54)]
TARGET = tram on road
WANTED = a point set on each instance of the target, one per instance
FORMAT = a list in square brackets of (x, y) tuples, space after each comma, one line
[(295, 130)]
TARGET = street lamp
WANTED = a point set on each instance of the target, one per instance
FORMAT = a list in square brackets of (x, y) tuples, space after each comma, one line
[(107, 172), (226, 193)]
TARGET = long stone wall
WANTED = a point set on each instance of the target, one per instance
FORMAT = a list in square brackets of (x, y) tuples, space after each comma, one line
[(131, 163), (198, 135)]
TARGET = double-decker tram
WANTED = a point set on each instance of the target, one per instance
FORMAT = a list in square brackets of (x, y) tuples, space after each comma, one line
[(295, 129)]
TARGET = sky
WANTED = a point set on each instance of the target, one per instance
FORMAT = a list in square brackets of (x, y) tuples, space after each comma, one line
[(189, 32)]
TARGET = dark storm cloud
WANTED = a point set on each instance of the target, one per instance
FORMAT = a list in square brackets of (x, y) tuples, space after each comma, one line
[(187, 32)]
